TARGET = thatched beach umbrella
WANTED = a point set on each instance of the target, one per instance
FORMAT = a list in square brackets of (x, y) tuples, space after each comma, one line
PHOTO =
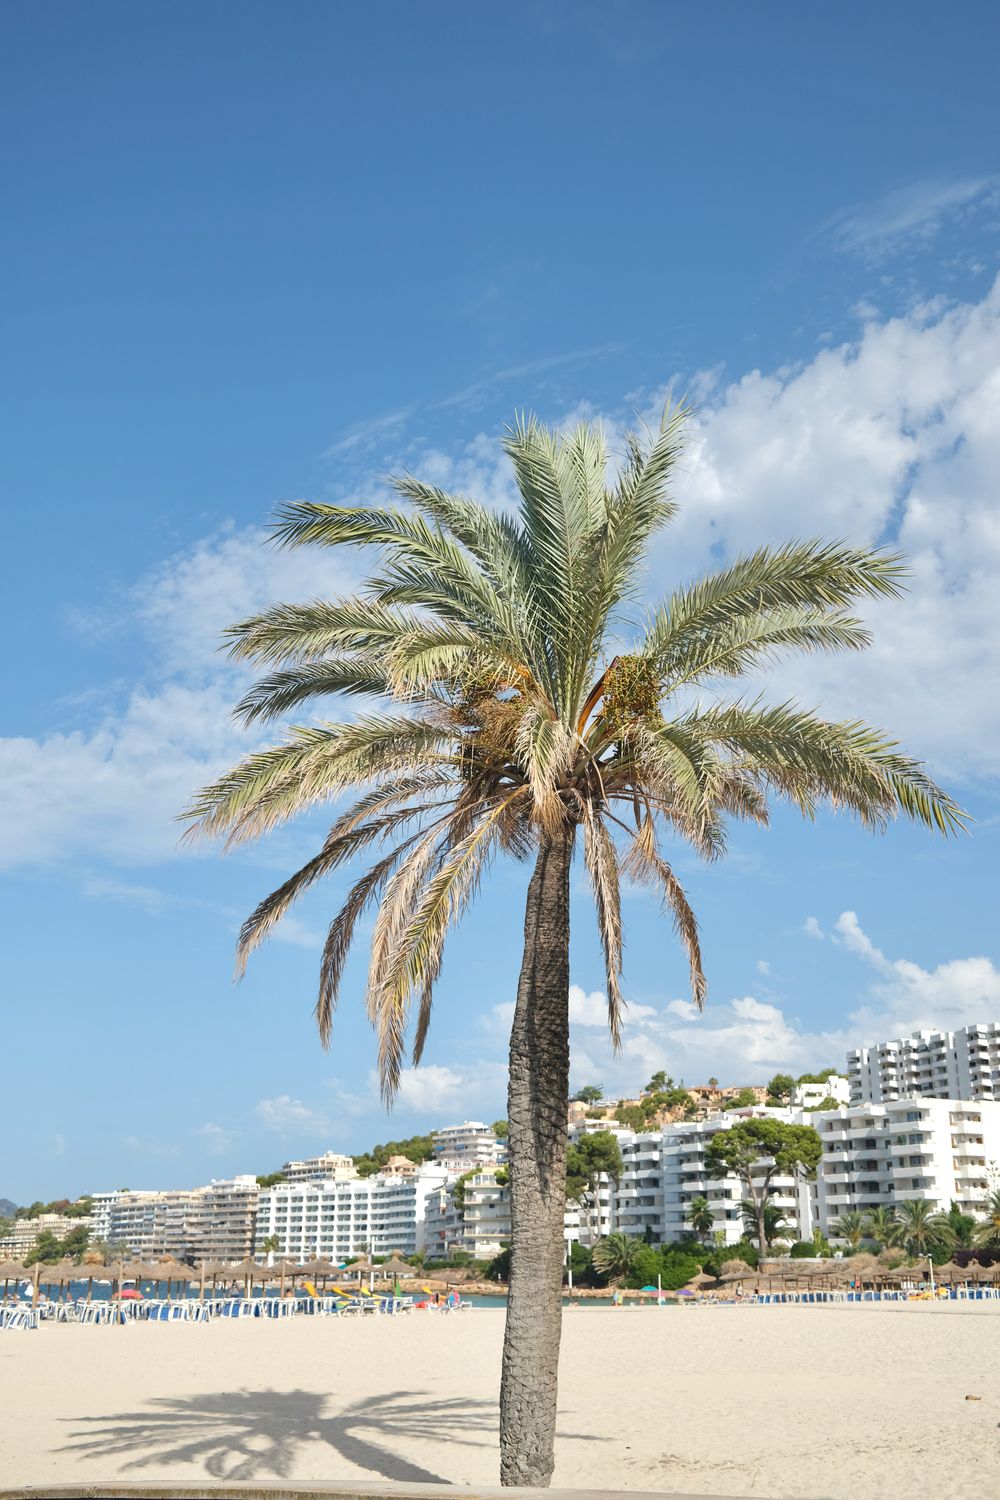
[(213, 1269), (863, 1267), (12, 1270), (395, 1269)]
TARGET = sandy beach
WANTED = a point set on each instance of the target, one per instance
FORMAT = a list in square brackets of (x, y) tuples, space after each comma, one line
[(810, 1402)]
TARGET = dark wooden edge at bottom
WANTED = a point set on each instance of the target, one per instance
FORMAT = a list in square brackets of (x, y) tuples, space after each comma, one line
[(166, 1490)]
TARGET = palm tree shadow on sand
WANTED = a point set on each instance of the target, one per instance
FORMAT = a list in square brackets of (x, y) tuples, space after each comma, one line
[(245, 1434)]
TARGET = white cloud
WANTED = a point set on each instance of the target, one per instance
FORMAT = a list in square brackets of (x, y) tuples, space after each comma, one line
[(907, 997), (895, 434), (762, 966), (915, 211), (114, 789), (216, 1139), (592, 1009), (293, 930), (745, 1040), (287, 1116), (434, 1087), (812, 929)]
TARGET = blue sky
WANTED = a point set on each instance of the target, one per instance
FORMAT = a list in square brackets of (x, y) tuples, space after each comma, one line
[(258, 252)]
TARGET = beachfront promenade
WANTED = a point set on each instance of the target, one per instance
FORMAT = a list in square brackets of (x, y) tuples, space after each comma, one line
[(819, 1402)]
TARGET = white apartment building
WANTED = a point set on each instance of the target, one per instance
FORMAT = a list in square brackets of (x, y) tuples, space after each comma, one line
[(963, 1064), (24, 1233), (665, 1170), (338, 1220), (808, 1095), (332, 1166), (478, 1223), (214, 1222), (880, 1155), (472, 1144)]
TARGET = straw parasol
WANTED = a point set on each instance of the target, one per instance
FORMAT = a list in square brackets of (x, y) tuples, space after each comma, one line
[(395, 1269), (453, 1276), (12, 1270)]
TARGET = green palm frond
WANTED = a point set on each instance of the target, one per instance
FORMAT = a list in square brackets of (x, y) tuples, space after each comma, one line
[(313, 765), (601, 860), (802, 575)]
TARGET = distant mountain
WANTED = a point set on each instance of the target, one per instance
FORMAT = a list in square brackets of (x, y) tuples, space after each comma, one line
[(7, 1208)]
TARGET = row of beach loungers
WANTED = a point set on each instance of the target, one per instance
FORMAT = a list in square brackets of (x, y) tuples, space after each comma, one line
[(941, 1294), (189, 1310)]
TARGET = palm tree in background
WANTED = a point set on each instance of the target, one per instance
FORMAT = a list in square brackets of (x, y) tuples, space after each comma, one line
[(526, 712), (700, 1216), (851, 1227), (773, 1219), (882, 1226), (956, 1229), (988, 1232), (919, 1227), (615, 1256)]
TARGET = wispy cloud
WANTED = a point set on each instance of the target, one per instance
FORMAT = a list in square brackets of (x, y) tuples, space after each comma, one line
[(915, 210), (367, 435)]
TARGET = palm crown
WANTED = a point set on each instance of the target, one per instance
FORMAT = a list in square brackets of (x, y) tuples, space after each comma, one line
[(516, 709)]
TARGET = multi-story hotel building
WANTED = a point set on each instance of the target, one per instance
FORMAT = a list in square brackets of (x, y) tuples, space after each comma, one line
[(475, 1219), (472, 1144), (24, 1233), (330, 1167), (337, 1220), (214, 1222), (665, 1171), (942, 1151), (962, 1064)]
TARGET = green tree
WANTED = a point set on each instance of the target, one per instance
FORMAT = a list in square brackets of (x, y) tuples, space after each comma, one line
[(919, 1229), (757, 1151), (745, 1099), (851, 1227), (988, 1232), (780, 1088), (700, 1216), (775, 1223), (269, 1179), (500, 1128), (589, 1094), (956, 1230), (819, 1077), (271, 1244), (516, 723), (658, 1083), (882, 1226), (713, 1083), (588, 1160), (618, 1255)]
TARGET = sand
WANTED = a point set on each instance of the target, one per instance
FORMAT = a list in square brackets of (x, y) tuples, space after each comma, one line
[(811, 1402)]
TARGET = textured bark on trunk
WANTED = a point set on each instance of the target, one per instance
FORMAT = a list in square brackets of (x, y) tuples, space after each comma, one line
[(537, 1095)]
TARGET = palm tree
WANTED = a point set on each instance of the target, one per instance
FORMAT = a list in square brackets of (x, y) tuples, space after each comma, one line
[(615, 1256), (851, 1227), (771, 1217), (519, 720), (700, 1216), (919, 1229), (956, 1230), (988, 1232), (882, 1226)]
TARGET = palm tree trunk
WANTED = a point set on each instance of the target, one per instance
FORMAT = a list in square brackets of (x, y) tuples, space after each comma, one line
[(537, 1096)]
